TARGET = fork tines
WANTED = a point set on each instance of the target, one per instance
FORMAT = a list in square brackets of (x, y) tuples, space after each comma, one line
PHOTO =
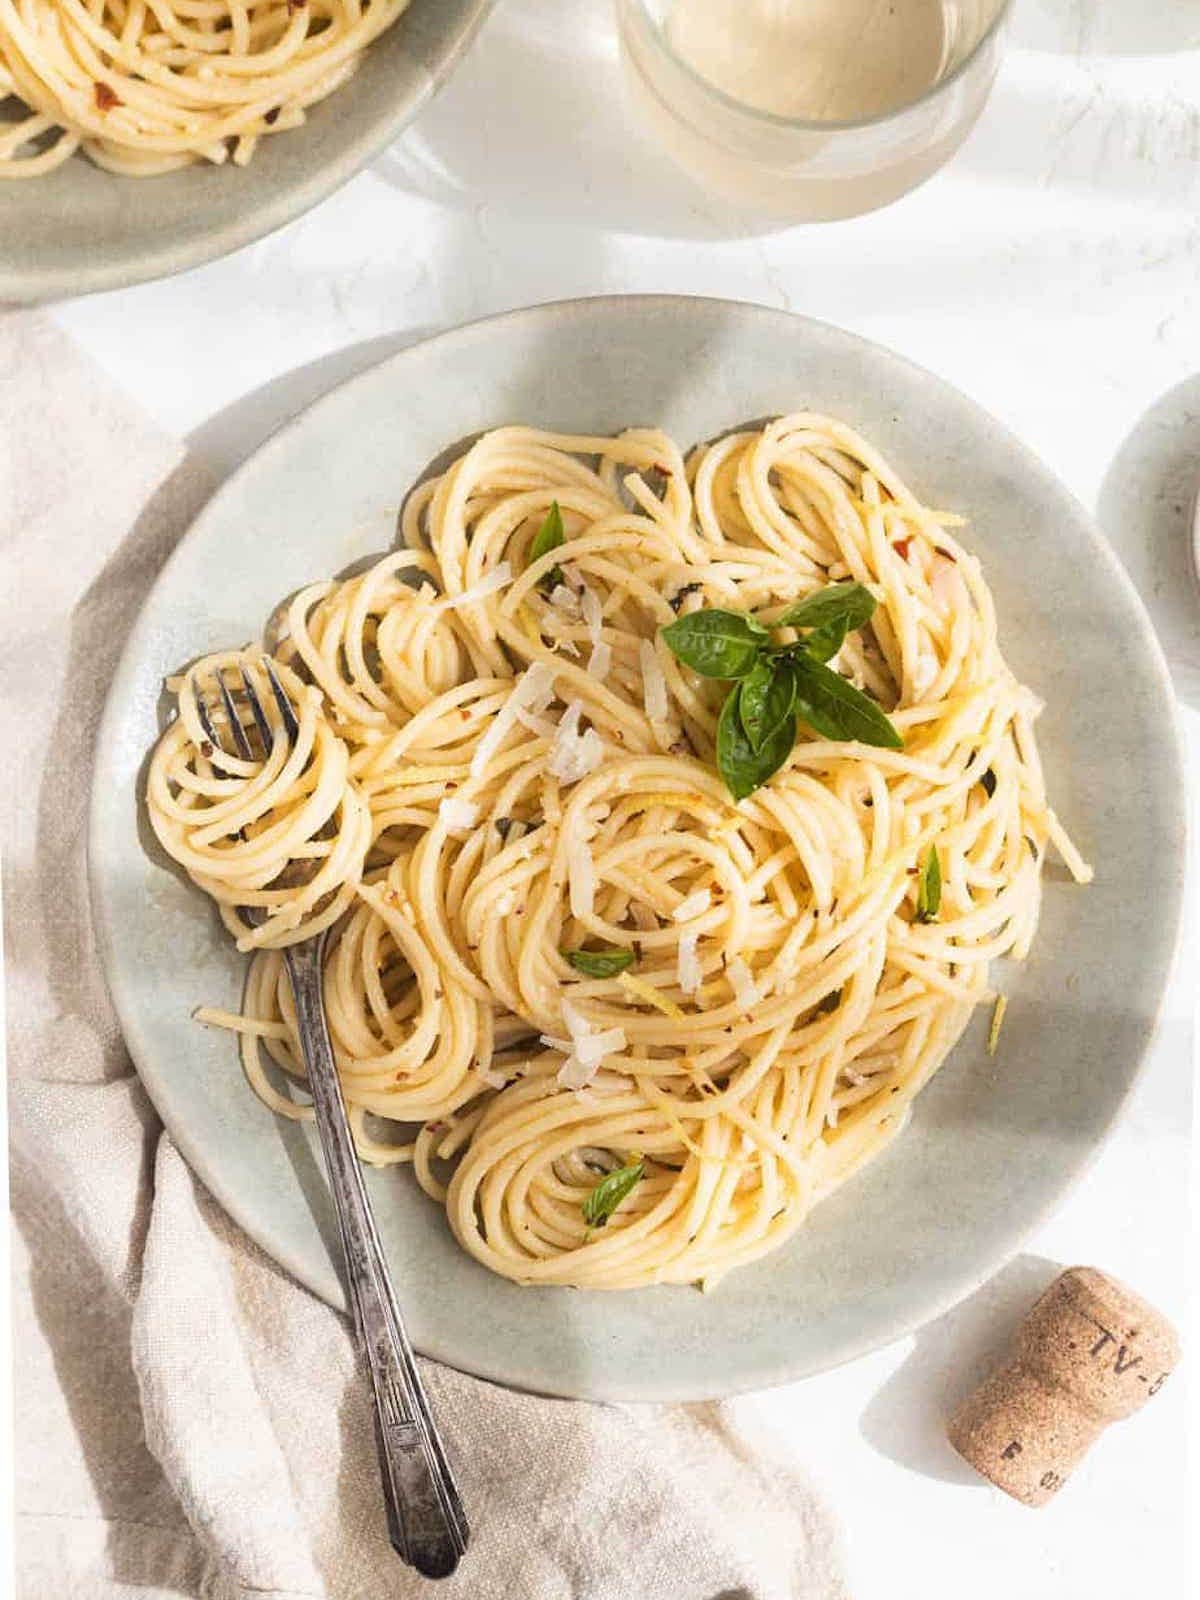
[(237, 728)]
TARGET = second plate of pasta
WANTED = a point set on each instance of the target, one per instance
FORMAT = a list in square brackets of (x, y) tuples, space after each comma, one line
[(712, 887)]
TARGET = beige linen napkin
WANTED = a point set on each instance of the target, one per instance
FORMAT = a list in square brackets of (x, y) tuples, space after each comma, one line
[(189, 1421)]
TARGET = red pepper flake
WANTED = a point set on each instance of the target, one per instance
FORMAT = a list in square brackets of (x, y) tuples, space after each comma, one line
[(949, 554), (206, 748), (272, 117), (106, 98), (901, 548)]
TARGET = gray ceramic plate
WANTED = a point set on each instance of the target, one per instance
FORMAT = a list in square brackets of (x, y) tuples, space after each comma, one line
[(79, 229), (993, 1143)]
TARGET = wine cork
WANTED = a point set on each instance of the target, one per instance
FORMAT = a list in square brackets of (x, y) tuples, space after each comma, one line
[(1088, 1353)]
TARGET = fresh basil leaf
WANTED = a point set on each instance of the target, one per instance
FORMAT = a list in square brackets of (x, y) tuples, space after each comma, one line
[(744, 768), (549, 536), (600, 963), (610, 1191), (823, 643), (765, 698), (837, 709), (839, 602), (929, 888), (716, 644)]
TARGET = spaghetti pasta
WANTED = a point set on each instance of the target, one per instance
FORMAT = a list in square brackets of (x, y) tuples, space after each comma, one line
[(144, 87), (562, 949)]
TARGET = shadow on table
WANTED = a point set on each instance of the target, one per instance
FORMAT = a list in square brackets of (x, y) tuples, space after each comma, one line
[(1146, 507), (1067, 129), (906, 1420), (536, 126), (1106, 27)]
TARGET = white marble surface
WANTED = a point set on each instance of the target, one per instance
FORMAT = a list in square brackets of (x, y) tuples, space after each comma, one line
[(1052, 272)]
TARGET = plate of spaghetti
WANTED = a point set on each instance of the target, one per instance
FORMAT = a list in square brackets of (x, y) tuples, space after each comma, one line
[(137, 140), (744, 795)]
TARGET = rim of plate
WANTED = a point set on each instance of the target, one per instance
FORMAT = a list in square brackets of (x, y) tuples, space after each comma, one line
[(145, 261), (769, 1374)]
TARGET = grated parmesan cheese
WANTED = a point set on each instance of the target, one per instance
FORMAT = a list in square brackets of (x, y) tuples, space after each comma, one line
[(694, 905), (592, 613), (498, 578), (741, 980), (577, 1025), (573, 755), (654, 682), (581, 877), (458, 815), (689, 963), (585, 1050), (533, 692), (600, 660)]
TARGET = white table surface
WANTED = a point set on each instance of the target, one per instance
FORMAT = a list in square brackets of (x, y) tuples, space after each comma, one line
[(1052, 272)]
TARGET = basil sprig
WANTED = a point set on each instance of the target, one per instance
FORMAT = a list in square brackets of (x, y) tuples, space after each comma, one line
[(929, 888), (744, 767), (610, 1191), (851, 603), (717, 644), (823, 643), (774, 686), (834, 707), (548, 537), (600, 963), (766, 698)]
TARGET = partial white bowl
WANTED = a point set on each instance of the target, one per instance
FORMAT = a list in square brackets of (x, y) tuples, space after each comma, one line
[(78, 229)]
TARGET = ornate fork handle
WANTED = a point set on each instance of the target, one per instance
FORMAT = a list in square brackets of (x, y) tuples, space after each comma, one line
[(426, 1522)]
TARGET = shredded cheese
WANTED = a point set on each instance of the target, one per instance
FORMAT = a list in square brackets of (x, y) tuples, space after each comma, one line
[(585, 1049), (581, 877), (654, 682), (592, 613), (498, 578), (745, 991), (573, 755), (458, 815), (600, 661), (689, 970), (534, 693)]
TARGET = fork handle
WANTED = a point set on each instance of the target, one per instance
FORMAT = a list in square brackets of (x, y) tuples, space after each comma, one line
[(426, 1522)]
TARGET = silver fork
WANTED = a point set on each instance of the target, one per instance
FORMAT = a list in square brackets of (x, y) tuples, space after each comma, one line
[(426, 1522)]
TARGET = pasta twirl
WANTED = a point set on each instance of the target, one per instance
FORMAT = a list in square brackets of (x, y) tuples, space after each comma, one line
[(143, 89), (562, 949)]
